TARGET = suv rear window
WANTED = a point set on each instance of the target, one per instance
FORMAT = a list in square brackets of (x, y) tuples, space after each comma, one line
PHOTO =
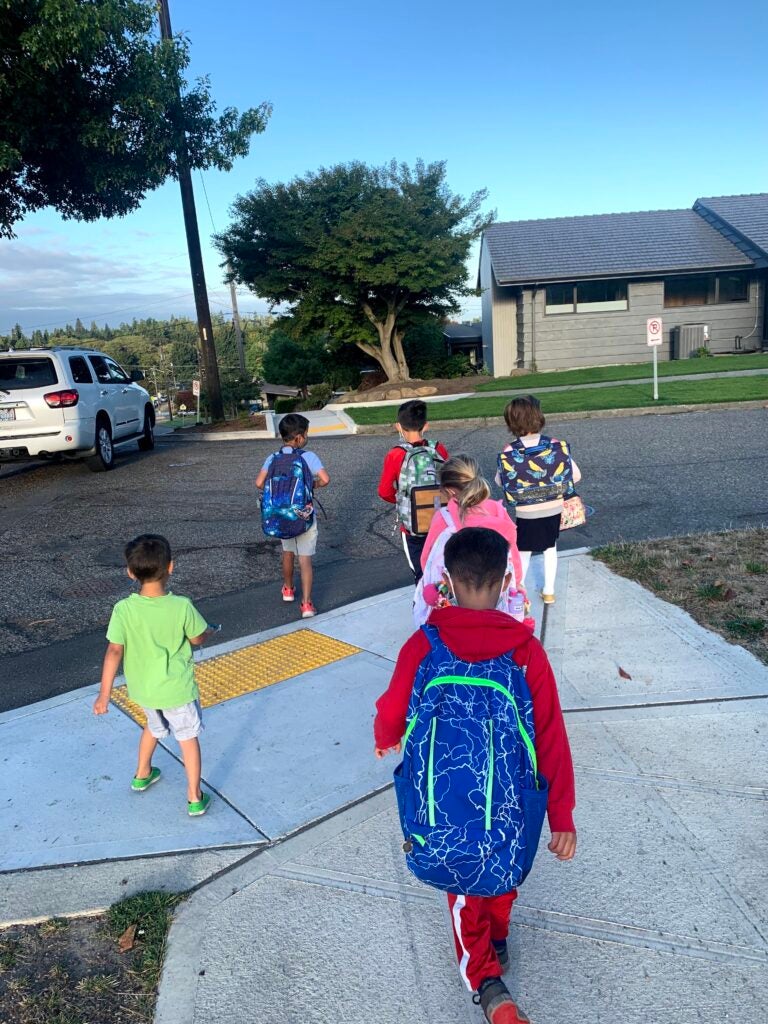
[(20, 373)]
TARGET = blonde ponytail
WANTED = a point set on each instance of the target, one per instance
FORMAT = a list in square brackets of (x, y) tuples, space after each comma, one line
[(461, 473)]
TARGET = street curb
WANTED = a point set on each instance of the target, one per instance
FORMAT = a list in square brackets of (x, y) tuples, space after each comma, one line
[(599, 414)]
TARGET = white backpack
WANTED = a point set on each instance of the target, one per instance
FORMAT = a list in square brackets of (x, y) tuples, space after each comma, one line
[(511, 601)]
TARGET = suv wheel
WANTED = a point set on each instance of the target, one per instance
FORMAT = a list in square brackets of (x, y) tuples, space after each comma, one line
[(104, 458), (147, 441)]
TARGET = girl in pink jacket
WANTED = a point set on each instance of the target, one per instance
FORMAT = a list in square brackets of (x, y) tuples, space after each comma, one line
[(470, 504)]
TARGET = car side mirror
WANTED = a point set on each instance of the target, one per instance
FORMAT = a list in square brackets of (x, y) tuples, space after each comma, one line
[(136, 376)]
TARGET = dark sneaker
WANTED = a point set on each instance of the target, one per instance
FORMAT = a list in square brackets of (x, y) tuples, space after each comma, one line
[(502, 952), (139, 785), (498, 1006)]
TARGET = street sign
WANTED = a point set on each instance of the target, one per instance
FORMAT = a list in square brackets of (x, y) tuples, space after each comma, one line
[(655, 337), (182, 408), (196, 388), (655, 330)]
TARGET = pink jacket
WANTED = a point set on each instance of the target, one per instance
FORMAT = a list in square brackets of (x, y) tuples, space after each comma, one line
[(489, 514)]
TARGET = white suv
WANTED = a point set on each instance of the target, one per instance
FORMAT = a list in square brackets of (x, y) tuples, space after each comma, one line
[(71, 403)]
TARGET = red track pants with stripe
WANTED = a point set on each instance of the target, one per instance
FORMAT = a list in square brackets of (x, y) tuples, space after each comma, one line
[(477, 921)]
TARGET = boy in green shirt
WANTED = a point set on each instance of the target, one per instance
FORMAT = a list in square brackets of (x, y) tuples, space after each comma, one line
[(151, 633)]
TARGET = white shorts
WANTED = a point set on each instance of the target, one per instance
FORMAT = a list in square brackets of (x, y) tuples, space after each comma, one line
[(304, 544), (183, 723)]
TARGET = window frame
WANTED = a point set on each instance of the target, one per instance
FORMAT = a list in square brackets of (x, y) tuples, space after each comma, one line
[(714, 290), (88, 369), (574, 310)]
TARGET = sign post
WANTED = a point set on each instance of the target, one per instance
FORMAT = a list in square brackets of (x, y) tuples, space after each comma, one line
[(655, 338), (196, 393)]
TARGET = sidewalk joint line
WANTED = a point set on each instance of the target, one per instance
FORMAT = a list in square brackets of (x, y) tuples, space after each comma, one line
[(690, 702)]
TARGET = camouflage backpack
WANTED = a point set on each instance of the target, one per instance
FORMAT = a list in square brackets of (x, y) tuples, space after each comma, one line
[(418, 486)]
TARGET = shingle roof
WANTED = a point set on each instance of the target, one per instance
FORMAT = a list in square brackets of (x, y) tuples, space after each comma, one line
[(747, 215), (458, 331), (608, 245)]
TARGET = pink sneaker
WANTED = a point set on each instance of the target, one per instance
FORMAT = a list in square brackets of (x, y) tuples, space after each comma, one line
[(289, 594), (307, 610)]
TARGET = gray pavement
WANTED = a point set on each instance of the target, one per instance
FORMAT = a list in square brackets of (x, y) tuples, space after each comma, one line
[(309, 914), (62, 528), (662, 917)]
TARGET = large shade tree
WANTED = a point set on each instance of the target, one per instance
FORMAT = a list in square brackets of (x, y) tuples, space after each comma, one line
[(360, 252), (95, 110)]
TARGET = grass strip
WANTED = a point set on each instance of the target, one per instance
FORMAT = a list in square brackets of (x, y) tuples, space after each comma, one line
[(629, 396), (625, 371)]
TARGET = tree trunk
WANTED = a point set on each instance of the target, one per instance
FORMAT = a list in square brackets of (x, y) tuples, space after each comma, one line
[(389, 353), (397, 344)]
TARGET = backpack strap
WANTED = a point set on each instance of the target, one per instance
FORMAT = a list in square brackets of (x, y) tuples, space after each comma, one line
[(433, 636)]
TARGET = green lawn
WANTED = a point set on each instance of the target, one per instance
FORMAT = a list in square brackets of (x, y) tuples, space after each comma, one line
[(625, 371), (629, 396)]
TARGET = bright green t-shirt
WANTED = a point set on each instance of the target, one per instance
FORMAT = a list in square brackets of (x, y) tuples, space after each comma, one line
[(157, 655)]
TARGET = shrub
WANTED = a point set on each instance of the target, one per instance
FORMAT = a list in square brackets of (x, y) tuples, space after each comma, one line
[(318, 396), (285, 405)]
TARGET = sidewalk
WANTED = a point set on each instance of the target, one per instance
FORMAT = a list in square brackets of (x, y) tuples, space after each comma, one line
[(308, 913)]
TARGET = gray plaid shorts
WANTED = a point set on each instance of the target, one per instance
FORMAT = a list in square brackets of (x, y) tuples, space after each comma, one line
[(182, 723)]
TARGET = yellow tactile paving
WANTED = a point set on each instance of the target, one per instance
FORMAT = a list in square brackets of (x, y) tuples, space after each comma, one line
[(252, 668)]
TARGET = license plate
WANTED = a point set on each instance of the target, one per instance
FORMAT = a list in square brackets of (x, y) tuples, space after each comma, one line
[(7, 414)]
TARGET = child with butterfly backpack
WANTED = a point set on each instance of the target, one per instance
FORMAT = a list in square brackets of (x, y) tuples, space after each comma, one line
[(288, 478), (473, 706), (469, 504), (411, 468), (537, 474)]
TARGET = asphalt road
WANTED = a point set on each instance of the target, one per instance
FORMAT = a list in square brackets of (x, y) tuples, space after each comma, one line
[(62, 528)]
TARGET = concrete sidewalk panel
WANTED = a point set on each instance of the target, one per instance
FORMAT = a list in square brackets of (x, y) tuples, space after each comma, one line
[(71, 798), (634, 868), (562, 978), (29, 896), (296, 751), (382, 628), (285, 951)]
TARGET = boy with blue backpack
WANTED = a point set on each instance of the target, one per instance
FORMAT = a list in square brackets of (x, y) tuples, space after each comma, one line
[(473, 706), (289, 478)]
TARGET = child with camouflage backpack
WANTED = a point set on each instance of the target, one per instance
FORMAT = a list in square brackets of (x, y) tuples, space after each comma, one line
[(412, 464)]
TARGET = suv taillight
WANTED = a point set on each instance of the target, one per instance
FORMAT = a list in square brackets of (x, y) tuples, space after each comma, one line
[(61, 399)]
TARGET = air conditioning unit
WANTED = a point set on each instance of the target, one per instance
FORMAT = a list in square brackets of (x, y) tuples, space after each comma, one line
[(688, 338)]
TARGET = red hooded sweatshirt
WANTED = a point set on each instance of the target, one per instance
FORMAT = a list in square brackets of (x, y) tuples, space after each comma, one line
[(476, 636)]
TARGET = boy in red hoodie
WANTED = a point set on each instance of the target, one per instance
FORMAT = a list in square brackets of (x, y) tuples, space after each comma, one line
[(476, 564)]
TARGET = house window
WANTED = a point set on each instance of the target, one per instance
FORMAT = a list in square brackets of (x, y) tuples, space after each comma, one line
[(601, 296), (587, 297), (706, 290), (733, 288)]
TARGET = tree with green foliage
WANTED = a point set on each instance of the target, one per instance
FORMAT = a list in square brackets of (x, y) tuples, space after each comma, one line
[(359, 252), (291, 363), (95, 108)]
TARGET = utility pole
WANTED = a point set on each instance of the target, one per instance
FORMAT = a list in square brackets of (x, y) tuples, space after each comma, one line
[(236, 324), (204, 325)]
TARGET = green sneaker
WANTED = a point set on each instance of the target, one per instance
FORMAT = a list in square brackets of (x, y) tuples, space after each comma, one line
[(139, 785), (197, 807)]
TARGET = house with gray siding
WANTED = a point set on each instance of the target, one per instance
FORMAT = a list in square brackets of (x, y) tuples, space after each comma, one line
[(577, 291)]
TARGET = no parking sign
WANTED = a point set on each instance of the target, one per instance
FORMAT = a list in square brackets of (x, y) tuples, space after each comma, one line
[(655, 336)]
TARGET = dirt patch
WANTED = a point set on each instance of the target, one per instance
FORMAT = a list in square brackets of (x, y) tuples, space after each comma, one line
[(73, 971), (721, 579), (256, 422)]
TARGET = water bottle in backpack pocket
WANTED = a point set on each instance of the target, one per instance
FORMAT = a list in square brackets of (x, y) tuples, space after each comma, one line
[(287, 502), (469, 795)]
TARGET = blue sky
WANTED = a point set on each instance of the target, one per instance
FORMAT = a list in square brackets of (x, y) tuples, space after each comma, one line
[(555, 108)]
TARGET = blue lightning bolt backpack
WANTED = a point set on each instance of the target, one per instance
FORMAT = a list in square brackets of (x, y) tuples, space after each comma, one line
[(470, 798), (287, 502)]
